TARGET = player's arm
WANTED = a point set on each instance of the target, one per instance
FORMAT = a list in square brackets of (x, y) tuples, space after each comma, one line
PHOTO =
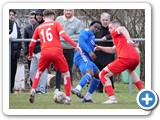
[(32, 44), (106, 49), (82, 42), (124, 31), (63, 34), (67, 38), (70, 41)]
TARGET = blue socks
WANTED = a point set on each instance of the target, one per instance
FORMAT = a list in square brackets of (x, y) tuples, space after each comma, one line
[(85, 79), (93, 86)]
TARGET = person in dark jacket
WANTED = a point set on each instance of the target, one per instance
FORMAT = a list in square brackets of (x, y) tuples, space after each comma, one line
[(104, 58), (15, 52), (28, 32), (14, 32)]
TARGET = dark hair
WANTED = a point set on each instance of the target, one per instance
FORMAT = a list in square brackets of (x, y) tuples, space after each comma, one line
[(93, 22), (48, 12), (39, 11), (12, 10)]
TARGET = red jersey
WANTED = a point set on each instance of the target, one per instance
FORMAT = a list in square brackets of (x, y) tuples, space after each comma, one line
[(49, 36), (124, 49)]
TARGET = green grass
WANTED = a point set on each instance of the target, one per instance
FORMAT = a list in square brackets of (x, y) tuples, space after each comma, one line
[(45, 101)]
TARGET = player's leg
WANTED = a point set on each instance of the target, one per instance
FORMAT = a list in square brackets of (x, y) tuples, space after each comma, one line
[(86, 70), (93, 86), (83, 81), (60, 64), (104, 76), (135, 78), (34, 85), (44, 63), (67, 86)]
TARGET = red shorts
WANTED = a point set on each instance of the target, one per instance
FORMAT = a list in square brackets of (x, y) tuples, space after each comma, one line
[(58, 61), (121, 64)]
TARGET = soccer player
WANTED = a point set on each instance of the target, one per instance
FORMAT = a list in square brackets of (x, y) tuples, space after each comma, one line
[(128, 59), (85, 63), (49, 33)]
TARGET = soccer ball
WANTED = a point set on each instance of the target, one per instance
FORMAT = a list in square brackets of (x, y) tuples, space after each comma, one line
[(59, 97)]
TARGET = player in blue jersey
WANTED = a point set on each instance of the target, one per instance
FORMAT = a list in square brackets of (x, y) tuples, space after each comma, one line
[(85, 60)]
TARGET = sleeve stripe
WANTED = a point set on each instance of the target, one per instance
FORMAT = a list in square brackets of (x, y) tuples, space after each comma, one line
[(62, 31), (33, 40)]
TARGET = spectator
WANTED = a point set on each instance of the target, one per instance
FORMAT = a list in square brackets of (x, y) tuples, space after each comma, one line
[(72, 27), (103, 58), (128, 59), (49, 33), (41, 88), (28, 32), (85, 60), (39, 16), (12, 14), (15, 52)]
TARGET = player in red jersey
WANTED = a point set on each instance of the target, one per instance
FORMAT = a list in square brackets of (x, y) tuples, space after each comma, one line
[(49, 34), (128, 59)]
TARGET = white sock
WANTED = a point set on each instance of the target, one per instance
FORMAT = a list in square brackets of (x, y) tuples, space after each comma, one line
[(33, 90), (68, 97), (88, 96), (79, 87), (112, 97)]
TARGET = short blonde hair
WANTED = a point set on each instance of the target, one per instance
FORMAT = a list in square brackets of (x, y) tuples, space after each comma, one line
[(115, 22)]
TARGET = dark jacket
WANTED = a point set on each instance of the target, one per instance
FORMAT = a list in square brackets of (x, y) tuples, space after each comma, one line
[(28, 32), (15, 46), (104, 58)]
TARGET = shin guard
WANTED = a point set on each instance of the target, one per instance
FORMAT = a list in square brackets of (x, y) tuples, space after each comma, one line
[(36, 79), (102, 76)]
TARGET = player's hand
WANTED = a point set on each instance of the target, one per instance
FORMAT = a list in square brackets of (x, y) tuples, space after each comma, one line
[(104, 38), (136, 44), (30, 58), (97, 47), (92, 55), (79, 49)]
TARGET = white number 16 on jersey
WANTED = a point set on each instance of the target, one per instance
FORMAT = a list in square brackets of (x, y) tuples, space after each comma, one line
[(47, 34)]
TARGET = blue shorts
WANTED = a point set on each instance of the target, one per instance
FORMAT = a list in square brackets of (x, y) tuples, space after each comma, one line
[(86, 65)]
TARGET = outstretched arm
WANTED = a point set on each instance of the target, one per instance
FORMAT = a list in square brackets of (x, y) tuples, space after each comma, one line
[(69, 40), (106, 49)]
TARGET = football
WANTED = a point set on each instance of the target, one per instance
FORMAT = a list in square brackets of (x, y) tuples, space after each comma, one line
[(59, 97)]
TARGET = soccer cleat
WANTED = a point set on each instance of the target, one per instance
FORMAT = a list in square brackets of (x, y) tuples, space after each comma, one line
[(89, 101), (67, 102), (110, 101), (32, 96), (77, 92)]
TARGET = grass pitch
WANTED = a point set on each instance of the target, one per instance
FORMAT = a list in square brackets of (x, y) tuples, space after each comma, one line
[(125, 100)]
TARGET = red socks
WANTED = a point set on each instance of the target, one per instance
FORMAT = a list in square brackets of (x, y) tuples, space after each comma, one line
[(139, 85), (109, 90), (36, 80), (67, 85)]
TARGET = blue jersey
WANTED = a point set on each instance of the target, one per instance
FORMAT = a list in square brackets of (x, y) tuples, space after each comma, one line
[(86, 42)]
